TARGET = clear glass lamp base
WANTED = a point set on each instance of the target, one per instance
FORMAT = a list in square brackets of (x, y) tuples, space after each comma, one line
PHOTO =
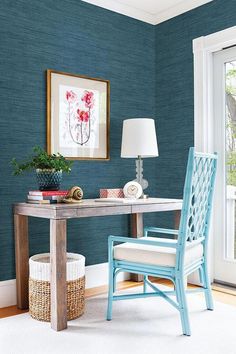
[(139, 173)]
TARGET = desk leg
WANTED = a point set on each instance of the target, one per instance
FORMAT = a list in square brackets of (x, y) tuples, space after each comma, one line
[(177, 215), (58, 274), (22, 260), (137, 231)]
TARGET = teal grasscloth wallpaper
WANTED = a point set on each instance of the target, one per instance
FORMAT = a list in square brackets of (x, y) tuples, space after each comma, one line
[(174, 86), (70, 36), (150, 69)]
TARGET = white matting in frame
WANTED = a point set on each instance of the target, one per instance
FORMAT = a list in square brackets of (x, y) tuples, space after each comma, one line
[(77, 116)]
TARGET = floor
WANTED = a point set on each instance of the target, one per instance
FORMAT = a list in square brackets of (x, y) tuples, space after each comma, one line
[(221, 293)]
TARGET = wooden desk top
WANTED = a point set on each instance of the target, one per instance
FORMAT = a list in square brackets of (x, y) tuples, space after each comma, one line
[(89, 207)]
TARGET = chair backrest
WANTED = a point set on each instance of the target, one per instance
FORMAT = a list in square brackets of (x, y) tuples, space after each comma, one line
[(197, 200)]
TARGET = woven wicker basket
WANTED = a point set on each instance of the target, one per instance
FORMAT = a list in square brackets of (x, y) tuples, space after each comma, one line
[(39, 286)]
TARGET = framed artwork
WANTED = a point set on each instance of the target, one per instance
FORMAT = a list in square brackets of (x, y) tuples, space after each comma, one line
[(77, 116)]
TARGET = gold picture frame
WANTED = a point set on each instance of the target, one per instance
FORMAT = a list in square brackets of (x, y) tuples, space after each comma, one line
[(78, 116)]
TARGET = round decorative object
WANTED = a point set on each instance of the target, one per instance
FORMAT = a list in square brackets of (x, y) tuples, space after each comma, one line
[(133, 190), (48, 180), (74, 195)]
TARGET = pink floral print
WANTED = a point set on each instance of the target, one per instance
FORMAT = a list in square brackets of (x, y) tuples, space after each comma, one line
[(88, 99), (71, 96), (83, 116), (79, 119)]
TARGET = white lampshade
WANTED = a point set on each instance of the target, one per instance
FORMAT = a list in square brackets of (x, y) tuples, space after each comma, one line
[(139, 138)]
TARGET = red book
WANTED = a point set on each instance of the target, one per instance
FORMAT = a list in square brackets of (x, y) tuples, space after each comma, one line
[(48, 193)]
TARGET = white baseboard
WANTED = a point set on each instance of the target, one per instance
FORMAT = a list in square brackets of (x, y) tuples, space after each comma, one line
[(7, 293), (96, 275)]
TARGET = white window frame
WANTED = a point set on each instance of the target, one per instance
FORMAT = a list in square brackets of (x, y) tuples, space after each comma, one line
[(203, 49)]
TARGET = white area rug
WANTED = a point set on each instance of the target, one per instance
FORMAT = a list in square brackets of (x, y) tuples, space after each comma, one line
[(139, 326)]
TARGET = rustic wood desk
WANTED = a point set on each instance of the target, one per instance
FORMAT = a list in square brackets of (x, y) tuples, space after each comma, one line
[(58, 215)]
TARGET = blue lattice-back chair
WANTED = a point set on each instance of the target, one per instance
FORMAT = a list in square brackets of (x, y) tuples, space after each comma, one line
[(173, 259)]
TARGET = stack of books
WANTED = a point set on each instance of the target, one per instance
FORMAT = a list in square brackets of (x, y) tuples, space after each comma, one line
[(46, 197)]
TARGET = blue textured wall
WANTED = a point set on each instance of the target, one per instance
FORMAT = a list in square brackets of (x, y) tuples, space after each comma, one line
[(70, 36), (174, 86), (151, 74)]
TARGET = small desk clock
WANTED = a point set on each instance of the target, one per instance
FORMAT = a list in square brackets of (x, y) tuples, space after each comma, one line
[(133, 190)]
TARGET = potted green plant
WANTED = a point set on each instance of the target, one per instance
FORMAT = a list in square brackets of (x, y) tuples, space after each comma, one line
[(49, 168)]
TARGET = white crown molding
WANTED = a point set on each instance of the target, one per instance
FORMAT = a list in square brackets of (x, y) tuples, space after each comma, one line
[(179, 9), (145, 16), (126, 10)]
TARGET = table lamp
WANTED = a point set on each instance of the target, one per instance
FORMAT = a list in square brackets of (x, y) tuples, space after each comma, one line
[(139, 141)]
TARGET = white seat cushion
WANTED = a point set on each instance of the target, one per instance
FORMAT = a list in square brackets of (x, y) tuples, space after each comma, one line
[(156, 255)]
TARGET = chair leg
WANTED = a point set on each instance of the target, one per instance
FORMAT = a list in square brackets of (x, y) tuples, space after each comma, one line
[(114, 281), (183, 308), (145, 283), (110, 291), (207, 286), (200, 273)]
